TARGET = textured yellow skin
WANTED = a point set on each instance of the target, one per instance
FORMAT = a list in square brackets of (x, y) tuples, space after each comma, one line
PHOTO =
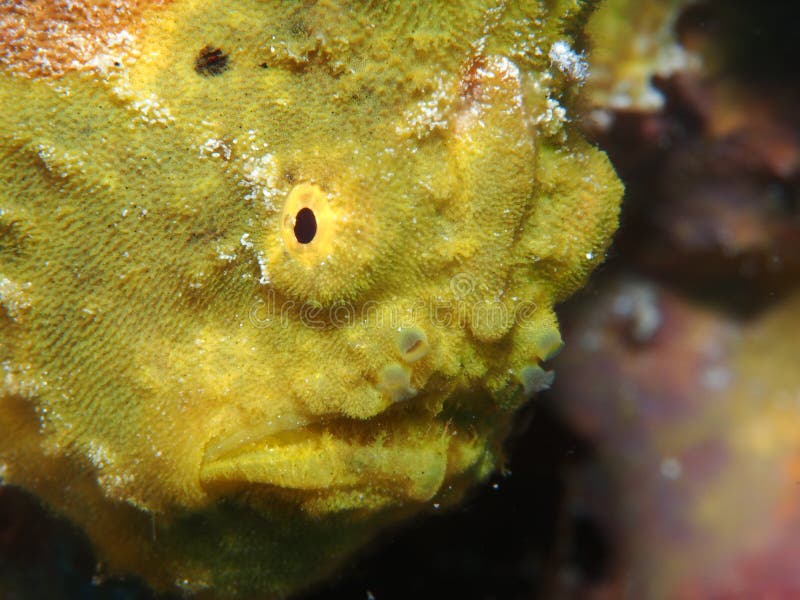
[(222, 408)]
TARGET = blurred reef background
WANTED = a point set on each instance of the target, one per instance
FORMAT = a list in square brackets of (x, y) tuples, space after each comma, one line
[(665, 460)]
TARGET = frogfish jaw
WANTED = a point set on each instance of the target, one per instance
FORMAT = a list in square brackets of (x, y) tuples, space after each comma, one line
[(402, 457)]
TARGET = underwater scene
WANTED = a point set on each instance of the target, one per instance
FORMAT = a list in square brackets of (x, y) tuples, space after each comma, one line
[(346, 299)]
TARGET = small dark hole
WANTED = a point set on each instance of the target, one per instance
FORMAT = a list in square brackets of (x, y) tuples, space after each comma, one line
[(210, 61), (305, 226), (415, 345)]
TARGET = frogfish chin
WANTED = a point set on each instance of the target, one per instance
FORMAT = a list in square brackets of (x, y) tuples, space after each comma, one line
[(276, 275)]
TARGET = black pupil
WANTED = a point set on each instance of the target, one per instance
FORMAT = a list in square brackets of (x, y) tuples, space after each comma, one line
[(305, 226)]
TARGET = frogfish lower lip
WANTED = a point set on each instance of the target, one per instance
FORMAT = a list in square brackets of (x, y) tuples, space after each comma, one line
[(407, 458)]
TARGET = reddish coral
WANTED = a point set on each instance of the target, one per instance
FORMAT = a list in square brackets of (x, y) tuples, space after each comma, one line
[(695, 415), (48, 39)]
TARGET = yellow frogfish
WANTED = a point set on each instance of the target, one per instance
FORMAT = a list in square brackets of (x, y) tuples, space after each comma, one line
[(275, 275)]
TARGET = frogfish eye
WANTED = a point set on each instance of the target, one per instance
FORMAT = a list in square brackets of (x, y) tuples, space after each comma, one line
[(327, 244), (309, 216), (305, 226)]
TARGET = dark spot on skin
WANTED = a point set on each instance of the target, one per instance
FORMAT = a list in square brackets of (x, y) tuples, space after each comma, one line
[(211, 61), (305, 226), (363, 95), (299, 29), (415, 345), (471, 82)]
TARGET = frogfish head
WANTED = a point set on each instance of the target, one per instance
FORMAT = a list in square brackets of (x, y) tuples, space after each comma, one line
[(296, 255)]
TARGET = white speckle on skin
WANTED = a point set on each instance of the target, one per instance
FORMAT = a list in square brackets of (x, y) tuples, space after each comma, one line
[(429, 114), (262, 265), (215, 148), (262, 260), (570, 63), (150, 109), (13, 297), (99, 455), (553, 117), (260, 175)]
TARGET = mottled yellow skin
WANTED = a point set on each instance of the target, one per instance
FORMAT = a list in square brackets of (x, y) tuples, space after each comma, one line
[(223, 408)]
